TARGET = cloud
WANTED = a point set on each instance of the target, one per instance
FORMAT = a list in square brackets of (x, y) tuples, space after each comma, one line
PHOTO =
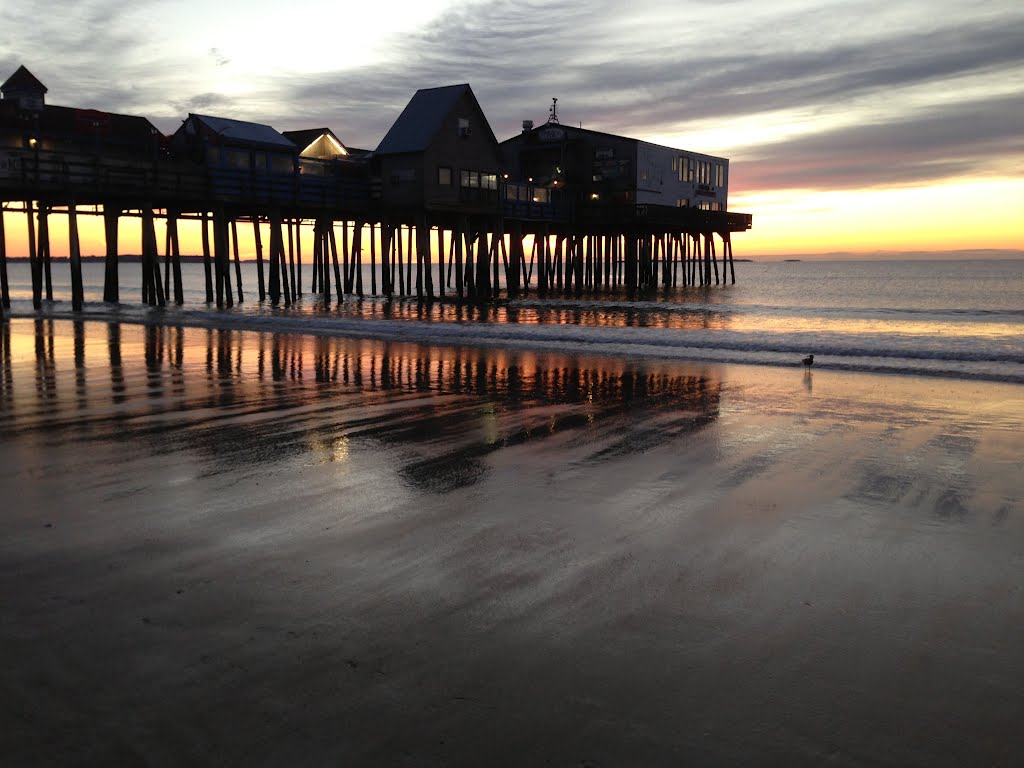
[(878, 93), (984, 137), (219, 58)]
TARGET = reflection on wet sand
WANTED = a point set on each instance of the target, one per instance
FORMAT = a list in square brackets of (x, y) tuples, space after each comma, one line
[(703, 314), (243, 398)]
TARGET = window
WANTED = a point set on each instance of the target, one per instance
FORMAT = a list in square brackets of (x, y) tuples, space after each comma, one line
[(464, 127), (281, 165), (719, 175), (471, 179), (237, 159), (444, 176), (403, 176), (489, 181), (541, 195)]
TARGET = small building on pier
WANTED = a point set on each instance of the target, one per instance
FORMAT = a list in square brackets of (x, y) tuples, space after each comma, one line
[(440, 154), (605, 175), (234, 145), (318, 147)]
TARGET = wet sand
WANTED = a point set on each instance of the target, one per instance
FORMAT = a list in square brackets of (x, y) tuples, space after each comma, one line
[(253, 549)]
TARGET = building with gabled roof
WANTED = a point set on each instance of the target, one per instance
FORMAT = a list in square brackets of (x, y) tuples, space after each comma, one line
[(320, 143), (27, 122), (221, 142), (25, 89), (440, 154)]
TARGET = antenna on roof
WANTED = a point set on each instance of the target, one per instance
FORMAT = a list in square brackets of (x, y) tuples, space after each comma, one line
[(553, 116)]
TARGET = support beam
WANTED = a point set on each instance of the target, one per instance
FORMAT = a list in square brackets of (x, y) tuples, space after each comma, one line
[(172, 232), (5, 288), (238, 259), (111, 287), (75, 257), (257, 236)]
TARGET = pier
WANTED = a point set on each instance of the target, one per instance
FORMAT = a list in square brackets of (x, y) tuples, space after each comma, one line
[(439, 209)]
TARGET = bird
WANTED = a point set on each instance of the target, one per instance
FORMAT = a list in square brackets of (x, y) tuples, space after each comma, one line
[(809, 360)]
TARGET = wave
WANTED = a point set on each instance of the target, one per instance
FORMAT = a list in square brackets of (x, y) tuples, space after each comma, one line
[(997, 358), (720, 306)]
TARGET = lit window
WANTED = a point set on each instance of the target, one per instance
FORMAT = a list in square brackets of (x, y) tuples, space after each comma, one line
[(444, 176)]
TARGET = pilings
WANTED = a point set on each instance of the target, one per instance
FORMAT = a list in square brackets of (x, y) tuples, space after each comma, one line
[(471, 257)]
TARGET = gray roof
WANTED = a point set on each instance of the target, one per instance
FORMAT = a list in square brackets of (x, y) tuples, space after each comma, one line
[(241, 131), (421, 119)]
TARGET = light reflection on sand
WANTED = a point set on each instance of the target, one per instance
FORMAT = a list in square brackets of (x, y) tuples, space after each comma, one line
[(233, 547)]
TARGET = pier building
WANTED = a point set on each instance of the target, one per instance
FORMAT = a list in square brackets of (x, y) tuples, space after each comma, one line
[(554, 208)]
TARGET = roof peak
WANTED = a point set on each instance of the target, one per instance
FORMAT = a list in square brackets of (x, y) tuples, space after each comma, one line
[(23, 80)]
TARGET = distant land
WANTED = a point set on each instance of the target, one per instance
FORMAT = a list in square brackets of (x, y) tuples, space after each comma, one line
[(959, 255), (953, 255)]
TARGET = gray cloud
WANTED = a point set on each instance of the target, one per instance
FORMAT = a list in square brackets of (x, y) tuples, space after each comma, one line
[(648, 68), (958, 139)]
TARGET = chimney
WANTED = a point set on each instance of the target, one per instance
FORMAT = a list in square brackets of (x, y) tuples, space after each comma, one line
[(527, 126)]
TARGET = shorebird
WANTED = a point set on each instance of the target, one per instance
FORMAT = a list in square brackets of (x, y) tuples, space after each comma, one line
[(809, 360)]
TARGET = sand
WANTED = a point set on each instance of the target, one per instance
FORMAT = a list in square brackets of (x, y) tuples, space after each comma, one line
[(252, 549)]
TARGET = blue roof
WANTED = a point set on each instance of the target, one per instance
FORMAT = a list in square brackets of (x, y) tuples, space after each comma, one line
[(421, 119), (239, 130)]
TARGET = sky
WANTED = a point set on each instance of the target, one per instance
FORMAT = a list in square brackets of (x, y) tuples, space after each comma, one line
[(852, 127)]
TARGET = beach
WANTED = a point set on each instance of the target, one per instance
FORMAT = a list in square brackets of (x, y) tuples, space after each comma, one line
[(240, 547)]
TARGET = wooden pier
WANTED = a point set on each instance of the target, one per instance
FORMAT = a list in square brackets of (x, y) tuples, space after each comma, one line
[(488, 236)]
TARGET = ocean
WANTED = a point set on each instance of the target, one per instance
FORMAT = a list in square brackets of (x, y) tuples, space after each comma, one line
[(959, 319)]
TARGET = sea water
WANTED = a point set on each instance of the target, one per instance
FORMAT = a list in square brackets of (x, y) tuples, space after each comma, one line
[(961, 319)]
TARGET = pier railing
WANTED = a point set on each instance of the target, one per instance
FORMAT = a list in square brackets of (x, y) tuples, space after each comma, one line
[(96, 179)]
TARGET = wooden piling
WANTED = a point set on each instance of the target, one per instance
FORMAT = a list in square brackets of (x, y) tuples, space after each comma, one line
[(33, 257), (398, 254), (514, 269), (44, 249), (387, 234), (152, 287), (727, 248), (172, 232), (357, 256), (346, 287), (287, 289), (458, 240), (111, 287), (207, 267), (75, 257), (257, 236), (5, 288), (338, 287), (373, 259), (276, 245), (294, 241), (440, 260), (221, 261), (238, 259), (714, 261)]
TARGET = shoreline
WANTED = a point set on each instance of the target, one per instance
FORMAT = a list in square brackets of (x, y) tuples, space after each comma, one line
[(458, 334)]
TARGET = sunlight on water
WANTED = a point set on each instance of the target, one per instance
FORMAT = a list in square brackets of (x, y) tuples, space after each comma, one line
[(961, 319)]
